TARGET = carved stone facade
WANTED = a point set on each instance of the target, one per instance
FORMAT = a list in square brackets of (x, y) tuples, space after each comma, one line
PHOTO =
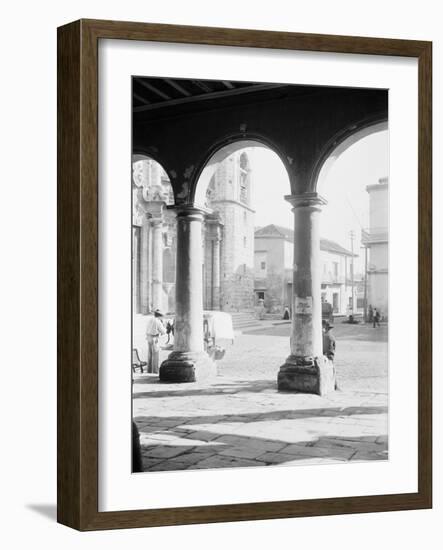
[(153, 245), (227, 238)]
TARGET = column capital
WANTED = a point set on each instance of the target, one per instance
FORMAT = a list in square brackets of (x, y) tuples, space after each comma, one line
[(156, 222), (189, 210), (312, 200)]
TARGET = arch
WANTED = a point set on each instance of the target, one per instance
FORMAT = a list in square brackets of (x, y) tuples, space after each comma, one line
[(219, 153), (339, 143)]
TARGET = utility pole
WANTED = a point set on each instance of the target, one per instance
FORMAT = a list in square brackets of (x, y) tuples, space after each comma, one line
[(352, 236), (365, 296)]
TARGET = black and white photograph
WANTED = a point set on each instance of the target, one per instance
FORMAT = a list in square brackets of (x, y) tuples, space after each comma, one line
[(260, 274), (218, 283)]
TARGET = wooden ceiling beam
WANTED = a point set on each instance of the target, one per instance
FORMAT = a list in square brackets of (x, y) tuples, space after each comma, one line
[(203, 86), (153, 89), (203, 97), (177, 86), (141, 99)]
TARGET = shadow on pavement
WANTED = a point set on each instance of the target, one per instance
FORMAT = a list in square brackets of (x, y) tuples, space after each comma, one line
[(232, 451), (148, 424), (218, 388)]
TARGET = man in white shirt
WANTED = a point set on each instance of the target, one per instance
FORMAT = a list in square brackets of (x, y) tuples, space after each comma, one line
[(154, 329)]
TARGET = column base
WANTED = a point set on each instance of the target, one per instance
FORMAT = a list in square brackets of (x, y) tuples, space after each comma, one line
[(183, 366), (307, 375)]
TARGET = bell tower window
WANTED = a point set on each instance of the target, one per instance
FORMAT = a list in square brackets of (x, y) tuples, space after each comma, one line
[(244, 178)]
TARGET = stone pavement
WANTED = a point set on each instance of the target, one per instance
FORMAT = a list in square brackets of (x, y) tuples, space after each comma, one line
[(240, 419)]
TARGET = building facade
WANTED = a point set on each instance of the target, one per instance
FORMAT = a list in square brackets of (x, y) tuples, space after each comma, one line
[(227, 238), (153, 242), (273, 264), (376, 241)]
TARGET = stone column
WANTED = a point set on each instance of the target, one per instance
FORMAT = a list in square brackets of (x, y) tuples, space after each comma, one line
[(157, 263), (306, 369), (216, 273), (135, 269), (154, 210), (188, 362), (214, 230), (145, 279)]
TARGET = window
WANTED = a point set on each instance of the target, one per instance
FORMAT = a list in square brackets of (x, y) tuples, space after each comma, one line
[(263, 265), (261, 295), (244, 169), (335, 302), (243, 191), (244, 242), (245, 217), (244, 161)]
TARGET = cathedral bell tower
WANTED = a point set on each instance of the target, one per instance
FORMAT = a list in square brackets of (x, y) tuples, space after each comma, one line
[(229, 196)]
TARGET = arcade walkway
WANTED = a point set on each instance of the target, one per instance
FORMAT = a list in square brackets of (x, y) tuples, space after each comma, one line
[(240, 419)]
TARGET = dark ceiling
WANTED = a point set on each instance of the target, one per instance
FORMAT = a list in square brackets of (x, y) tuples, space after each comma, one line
[(154, 93), (157, 98)]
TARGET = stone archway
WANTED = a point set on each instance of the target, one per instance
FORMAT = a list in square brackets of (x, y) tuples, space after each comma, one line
[(226, 188), (219, 152), (305, 123), (369, 231), (340, 143)]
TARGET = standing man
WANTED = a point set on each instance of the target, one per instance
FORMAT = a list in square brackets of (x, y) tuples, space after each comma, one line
[(376, 318), (154, 329), (370, 314), (328, 341)]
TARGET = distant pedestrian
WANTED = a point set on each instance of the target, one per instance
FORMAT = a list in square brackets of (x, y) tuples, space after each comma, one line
[(376, 318), (286, 314), (154, 329), (370, 314), (328, 341)]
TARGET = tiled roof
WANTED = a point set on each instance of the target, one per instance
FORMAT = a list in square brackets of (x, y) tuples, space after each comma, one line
[(279, 231), (273, 230), (331, 246)]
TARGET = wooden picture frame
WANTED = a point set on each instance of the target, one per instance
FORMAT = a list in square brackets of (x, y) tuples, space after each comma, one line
[(78, 274)]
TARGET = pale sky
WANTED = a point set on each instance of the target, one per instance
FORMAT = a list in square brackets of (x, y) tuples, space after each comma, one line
[(344, 187)]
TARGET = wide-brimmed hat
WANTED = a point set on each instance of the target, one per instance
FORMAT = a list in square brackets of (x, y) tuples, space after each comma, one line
[(158, 313), (326, 325)]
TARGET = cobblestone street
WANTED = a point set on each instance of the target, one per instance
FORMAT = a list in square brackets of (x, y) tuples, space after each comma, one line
[(240, 419)]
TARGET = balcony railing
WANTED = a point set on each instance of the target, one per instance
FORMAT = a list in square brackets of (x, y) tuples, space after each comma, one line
[(330, 279)]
